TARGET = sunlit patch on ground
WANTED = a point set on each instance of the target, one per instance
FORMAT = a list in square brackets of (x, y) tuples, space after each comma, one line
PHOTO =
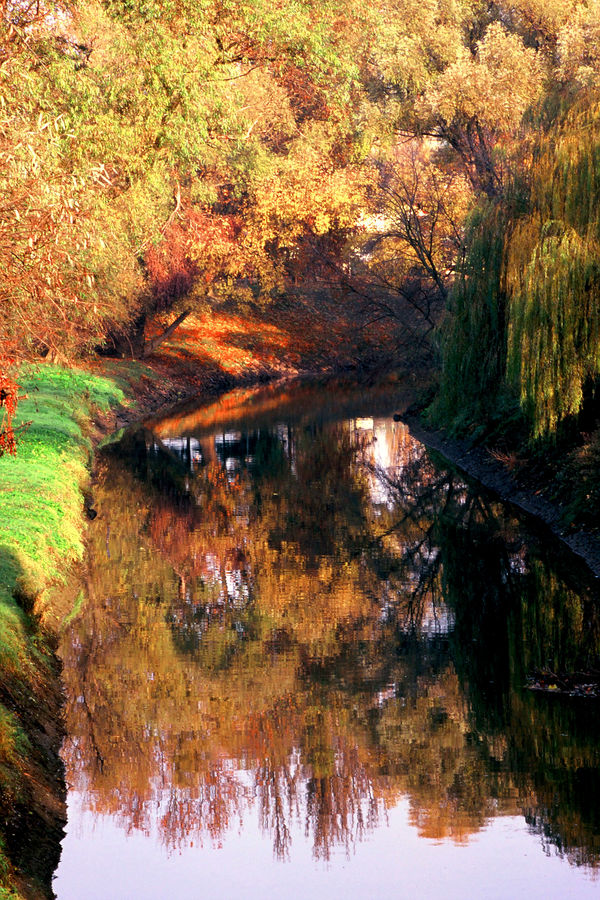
[(315, 333), (235, 343)]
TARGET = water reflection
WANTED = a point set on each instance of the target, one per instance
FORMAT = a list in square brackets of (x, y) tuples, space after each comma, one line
[(300, 620)]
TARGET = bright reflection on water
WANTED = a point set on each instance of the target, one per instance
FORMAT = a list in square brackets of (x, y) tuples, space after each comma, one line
[(300, 667)]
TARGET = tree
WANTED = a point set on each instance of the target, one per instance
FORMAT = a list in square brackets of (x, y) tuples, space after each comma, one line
[(480, 99), (458, 73), (422, 203)]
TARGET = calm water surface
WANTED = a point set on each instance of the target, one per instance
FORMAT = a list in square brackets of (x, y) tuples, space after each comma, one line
[(300, 664)]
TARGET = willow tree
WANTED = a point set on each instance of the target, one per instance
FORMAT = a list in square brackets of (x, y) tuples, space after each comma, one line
[(553, 275), (524, 320), (473, 332)]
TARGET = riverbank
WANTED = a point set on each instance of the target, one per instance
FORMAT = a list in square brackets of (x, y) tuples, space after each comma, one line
[(480, 463)]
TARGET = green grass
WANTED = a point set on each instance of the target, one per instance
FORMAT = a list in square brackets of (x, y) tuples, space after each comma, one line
[(40, 488), (41, 533)]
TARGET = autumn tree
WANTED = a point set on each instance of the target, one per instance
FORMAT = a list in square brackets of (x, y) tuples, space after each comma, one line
[(127, 137), (460, 74), (414, 235), (159, 158), (455, 82)]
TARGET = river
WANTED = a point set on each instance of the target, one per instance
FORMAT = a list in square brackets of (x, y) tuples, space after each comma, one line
[(302, 662)]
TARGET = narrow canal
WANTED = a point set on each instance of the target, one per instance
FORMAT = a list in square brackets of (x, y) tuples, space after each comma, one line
[(302, 667)]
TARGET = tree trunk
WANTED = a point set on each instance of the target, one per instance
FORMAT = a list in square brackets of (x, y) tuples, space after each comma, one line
[(128, 343), (152, 345)]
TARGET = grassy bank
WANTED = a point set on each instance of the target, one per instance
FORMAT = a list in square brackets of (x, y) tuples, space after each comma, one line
[(42, 526), (40, 488)]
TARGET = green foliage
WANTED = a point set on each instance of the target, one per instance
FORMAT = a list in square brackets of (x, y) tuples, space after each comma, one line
[(554, 329), (41, 516), (40, 501)]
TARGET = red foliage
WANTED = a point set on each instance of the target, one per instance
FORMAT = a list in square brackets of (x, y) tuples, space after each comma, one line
[(170, 267), (8, 402), (192, 246), (306, 100)]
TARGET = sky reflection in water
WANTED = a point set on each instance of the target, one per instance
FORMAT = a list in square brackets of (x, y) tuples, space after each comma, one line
[(301, 666)]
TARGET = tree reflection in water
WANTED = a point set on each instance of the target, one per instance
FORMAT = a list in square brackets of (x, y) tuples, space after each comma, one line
[(308, 622)]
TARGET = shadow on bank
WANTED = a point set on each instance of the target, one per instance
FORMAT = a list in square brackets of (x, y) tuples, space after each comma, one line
[(32, 785)]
